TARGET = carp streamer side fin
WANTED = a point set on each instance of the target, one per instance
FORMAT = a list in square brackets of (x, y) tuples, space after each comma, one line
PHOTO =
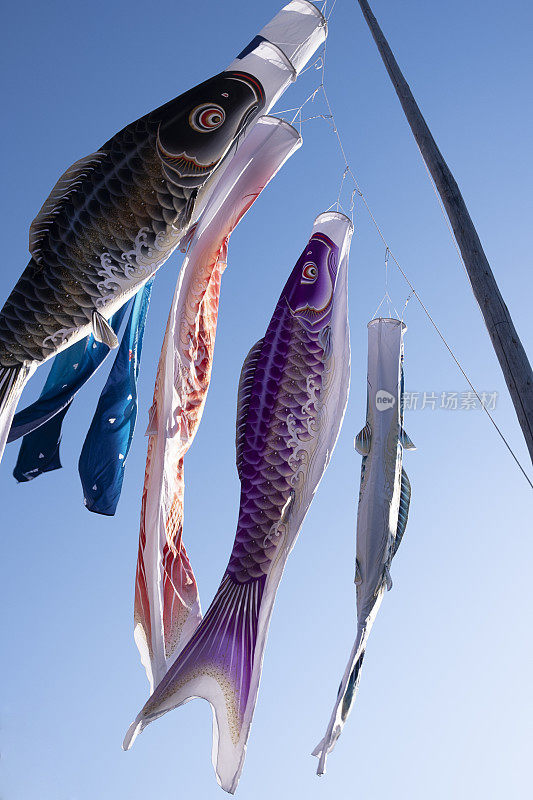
[(67, 184), (403, 513), (216, 664), (363, 440), (246, 381), (103, 332), (405, 441)]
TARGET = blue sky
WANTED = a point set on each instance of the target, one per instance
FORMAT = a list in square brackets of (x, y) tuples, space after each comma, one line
[(445, 700)]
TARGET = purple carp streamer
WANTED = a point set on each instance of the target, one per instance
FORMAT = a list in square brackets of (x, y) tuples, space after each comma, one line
[(291, 401), (384, 500), (115, 216), (167, 605)]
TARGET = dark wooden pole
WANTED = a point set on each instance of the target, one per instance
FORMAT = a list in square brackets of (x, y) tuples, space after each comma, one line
[(508, 347)]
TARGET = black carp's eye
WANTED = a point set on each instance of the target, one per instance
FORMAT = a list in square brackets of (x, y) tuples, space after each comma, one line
[(207, 117), (309, 273)]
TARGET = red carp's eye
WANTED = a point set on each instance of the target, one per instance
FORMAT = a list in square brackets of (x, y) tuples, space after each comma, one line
[(309, 273), (207, 117)]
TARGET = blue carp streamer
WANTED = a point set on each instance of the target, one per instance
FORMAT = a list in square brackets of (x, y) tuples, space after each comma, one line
[(106, 447)]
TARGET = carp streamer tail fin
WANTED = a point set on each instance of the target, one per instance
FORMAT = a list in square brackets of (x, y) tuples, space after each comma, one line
[(12, 382), (343, 704), (221, 663)]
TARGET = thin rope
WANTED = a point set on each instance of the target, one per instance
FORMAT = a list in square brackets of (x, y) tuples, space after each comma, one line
[(406, 302), (339, 204), (386, 297), (390, 304), (331, 12), (349, 172), (310, 66), (389, 299), (323, 9), (352, 204), (441, 335)]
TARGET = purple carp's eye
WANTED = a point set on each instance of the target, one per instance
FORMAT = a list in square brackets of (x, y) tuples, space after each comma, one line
[(309, 273), (207, 117)]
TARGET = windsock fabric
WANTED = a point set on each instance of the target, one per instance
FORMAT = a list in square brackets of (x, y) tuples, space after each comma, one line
[(167, 605), (384, 500), (107, 444), (291, 401)]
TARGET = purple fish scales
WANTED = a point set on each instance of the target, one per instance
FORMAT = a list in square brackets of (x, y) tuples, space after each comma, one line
[(281, 409)]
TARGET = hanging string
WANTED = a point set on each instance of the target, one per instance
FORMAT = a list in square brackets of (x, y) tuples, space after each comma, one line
[(323, 9), (443, 339), (406, 302), (348, 172), (311, 66), (386, 297), (352, 204), (339, 204), (331, 12)]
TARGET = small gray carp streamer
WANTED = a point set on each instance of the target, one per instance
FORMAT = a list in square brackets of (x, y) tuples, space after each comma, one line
[(291, 401), (384, 500)]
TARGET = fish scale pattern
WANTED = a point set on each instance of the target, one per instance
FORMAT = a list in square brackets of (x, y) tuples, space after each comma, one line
[(115, 216), (279, 424), (126, 191)]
